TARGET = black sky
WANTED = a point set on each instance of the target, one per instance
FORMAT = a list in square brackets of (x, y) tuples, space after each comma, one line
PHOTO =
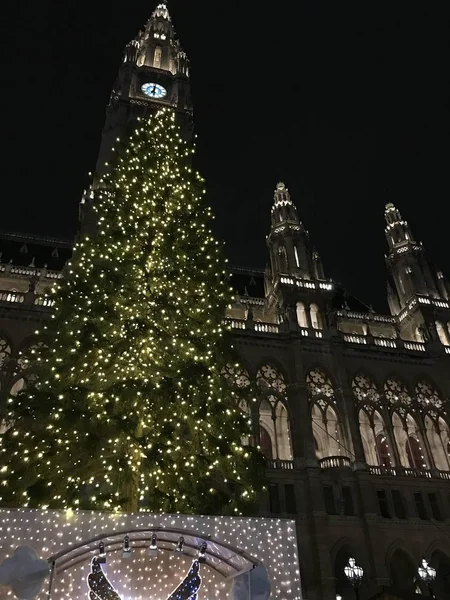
[(347, 102)]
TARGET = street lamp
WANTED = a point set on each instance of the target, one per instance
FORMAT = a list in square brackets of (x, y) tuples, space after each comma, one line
[(427, 575), (354, 575)]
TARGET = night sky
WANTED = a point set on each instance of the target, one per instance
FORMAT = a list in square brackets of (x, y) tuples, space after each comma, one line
[(346, 102)]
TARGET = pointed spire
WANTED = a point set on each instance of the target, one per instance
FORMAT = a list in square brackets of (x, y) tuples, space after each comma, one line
[(397, 229), (283, 208), (161, 11)]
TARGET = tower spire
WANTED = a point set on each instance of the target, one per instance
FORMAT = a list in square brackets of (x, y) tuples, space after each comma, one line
[(290, 249)]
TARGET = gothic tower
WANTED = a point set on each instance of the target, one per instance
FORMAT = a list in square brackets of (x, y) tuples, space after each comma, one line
[(290, 249), (419, 291), (295, 280), (154, 73)]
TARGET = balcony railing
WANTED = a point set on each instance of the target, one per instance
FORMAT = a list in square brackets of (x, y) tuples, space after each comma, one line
[(407, 472), (280, 464), (8, 298), (335, 462)]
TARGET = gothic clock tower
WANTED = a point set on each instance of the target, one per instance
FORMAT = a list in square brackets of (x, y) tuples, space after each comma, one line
[(154, 73)]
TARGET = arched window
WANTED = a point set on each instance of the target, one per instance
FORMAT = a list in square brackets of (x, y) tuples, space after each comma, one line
[(439, 439), (442, 333), (375, 442), (409, 444), (273, 418), (316, 317), (265, 442), (157, 57), (327, 431), (301, 315)]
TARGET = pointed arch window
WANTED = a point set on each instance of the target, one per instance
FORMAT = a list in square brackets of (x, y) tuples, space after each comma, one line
[(327, 431), (297, 261), (374, 439), (274, 421), (442, 333), (316, 317), (408, 440), (438, 436), (157, 57), (301, 315)]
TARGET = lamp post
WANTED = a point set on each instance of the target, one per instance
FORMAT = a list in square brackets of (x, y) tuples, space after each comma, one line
[(427, 574), (354, 574)]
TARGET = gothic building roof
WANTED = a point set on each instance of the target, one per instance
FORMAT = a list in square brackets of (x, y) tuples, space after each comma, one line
[(34, 251)]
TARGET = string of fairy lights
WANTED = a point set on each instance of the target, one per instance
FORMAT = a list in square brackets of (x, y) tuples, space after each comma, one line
[(143, 575), (131, 410)]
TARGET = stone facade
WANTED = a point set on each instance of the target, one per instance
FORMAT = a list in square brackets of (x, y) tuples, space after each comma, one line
[(353, 410)]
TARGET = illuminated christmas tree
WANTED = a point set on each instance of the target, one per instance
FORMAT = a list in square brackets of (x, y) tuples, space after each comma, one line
[(131, 409)]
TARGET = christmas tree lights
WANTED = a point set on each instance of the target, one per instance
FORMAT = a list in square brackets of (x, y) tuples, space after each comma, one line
[(131, 409)]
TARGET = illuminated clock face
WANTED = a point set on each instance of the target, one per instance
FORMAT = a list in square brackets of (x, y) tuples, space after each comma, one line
[(154, 90)]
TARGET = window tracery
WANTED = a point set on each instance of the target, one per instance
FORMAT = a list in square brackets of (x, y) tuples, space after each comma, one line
[(396, 391), (236, 376), (427, 396), (5, 351), (319, 384), (29, 354), (270, 378), (364, 389)]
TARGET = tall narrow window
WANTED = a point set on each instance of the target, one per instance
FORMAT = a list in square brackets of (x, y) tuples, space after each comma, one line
[(297, 261), (414, 453), (384, 456), (383, 504), (399, 506), (157, 57), (301, 315), (289, 498), (316, 317), (434, 505), (328, 496), (420, 505), (274, 499), (347, 499), (442, 333)]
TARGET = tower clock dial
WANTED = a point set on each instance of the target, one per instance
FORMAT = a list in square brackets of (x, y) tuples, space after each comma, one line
[(154, 90)]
